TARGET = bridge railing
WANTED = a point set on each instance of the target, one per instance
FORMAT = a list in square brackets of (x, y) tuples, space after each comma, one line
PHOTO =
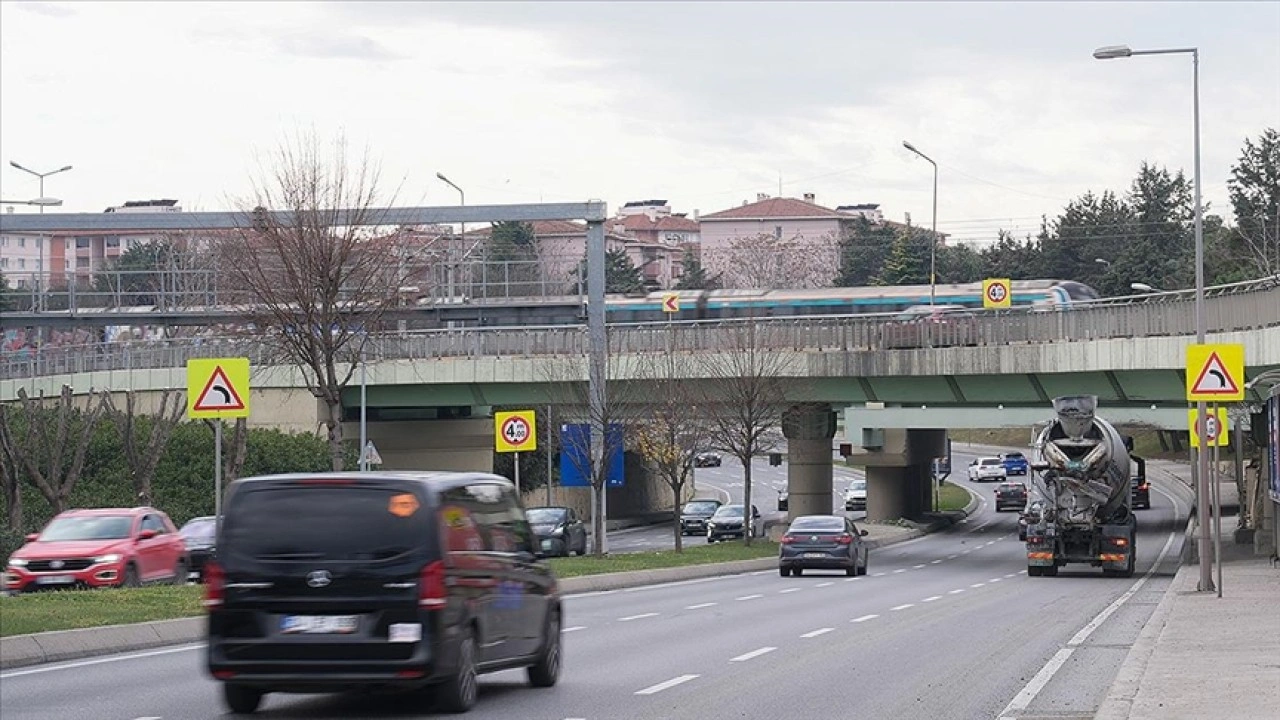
[(1227, 313)]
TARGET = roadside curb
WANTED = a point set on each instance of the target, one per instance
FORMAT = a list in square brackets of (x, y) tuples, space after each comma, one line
[(23, 650)]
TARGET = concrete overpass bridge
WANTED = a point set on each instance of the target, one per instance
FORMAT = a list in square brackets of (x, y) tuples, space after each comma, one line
[(430, 393)]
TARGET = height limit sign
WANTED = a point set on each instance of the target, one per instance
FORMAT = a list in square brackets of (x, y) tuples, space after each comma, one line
[(515, 431)]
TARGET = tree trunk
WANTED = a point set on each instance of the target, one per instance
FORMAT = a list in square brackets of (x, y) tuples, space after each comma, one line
[(597, 520), (747, 519), (334, 425), (679, 534), (234, 463)]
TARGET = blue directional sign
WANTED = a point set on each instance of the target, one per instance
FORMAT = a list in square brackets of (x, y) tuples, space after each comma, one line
[(575, 455)]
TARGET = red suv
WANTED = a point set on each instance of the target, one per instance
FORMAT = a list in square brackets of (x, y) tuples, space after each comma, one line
[(123, 547)]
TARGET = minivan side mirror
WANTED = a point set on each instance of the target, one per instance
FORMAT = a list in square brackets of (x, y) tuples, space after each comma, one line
[(862, 533), (146, 534), (31, 537)]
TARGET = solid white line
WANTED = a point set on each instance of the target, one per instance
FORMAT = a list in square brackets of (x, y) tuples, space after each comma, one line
[(816, 633), (753, 654), (641, 616), (864, 618), (903, 607), (824, 584), (955, 592), (149, 717), (788, 590), (575, 628), (664, 685), (99, 661), (1024, 698), (750, 597), (932, 598), (699, 606)]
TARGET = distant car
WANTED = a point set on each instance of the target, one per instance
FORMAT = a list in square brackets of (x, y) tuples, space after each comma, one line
[(694, 516), (558, 530), (1029, 514), (987, 469), (727, 523), (1139, 487), (1015, 463), (109, 547), (707, 459), (200, 536), (930, 326), (784, 500), (828, 542), (855, 496), (1011, 495)]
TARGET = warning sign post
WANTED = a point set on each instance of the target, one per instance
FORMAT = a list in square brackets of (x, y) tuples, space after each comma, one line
[(515, 432), (997, 293), (1215, 373), (217, 388)]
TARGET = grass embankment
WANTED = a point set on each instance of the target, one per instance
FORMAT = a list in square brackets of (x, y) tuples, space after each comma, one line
[(952, 497), (72, 609)]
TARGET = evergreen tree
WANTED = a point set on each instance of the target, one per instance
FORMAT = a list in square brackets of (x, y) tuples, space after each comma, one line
[(1159, 247), (1254, 189), (864, 248), (695, 275), (1090, 227), (1009, 258), (513, 256), (620, 276), (6, 302), (136, 277), (905, 266)]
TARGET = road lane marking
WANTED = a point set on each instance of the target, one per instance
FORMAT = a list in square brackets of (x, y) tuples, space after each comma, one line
[(952, 557), (762, 572), (99, 661), (917, 567), (788, 590), (931, 598), (753, 654), (824, 584), (641, 616), (666, 685), (864, 618), (575, 628), (816, 633), (1011, 575), (955, 592), (903, 607), (852, 579), (1024, 698), (994, 580), (750, 597), (977, 585), (935, 562), (879, 574), (699, 606), (899, 570)]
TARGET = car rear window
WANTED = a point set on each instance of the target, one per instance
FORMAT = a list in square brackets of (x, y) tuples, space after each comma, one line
[(200, 530), (818, 523), (991, 461), (1014, 456), (357, 524)]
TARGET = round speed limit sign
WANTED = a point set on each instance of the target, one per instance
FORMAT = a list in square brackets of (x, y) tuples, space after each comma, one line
[(515, 431), (1211, 428), (996, 293)]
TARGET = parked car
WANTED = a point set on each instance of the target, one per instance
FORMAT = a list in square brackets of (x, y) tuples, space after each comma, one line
[(987, 469), (199, 535), (1015, 463), (377, 580), (727, 523), (1011, 495), (930, 326), (707, 459), (855, 496), (1139, 487), (827, 542), (694, 516), (784, 500), (107, 547), (1028, 515), (558, 530)]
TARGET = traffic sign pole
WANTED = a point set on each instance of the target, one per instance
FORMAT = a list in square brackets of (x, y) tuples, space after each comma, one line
[(517, 458), (1217, 506)]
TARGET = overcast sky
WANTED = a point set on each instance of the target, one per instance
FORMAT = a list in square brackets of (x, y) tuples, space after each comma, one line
[(704, 105)]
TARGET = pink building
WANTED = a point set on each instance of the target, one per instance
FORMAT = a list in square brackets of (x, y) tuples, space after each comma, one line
[(773, 243)]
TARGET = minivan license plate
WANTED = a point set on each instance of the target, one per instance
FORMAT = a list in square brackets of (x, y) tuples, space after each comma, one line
[(331, 624), (55, 579)]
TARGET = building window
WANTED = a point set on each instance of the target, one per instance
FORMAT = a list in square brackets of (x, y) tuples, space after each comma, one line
[(82, 262), (777, 232), (40, 242), (4, 262), (22, 242), (113, 241), (82, 242), (22, 263)]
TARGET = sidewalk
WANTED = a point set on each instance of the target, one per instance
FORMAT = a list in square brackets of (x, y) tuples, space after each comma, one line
[(1200, 656)]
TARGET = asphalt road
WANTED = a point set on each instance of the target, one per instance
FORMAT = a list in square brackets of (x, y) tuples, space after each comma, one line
[(945, 626)]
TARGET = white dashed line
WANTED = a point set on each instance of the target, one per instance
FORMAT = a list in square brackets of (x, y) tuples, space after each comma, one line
[(852, 579), (955, 592), (753, 654), (903, 607), (994, 580), (1010, 575), (665, 685), (824, 584), (750, 597), (952, 557), (816, 633), (575, 628), (864, 618), (878, 575), (899, 570), (917, 567), (1021, 572), (788, 590), (977, 585), (641, 616), (699, 606), (932, 598), (935, 562), (762, 572)]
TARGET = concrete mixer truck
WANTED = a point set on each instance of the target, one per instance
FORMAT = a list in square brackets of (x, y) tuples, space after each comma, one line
[(1082, 471)]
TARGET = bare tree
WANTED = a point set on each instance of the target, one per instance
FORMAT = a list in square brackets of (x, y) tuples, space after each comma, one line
[(744, 397), (768, 261), (673, 433), (10, 482), (313, 268), (39, 443), (143, 455)]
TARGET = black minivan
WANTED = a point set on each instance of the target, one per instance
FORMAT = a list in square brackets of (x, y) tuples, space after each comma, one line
[(339, 581)]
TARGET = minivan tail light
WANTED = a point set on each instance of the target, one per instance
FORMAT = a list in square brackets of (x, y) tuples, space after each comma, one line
[(788, 539), (432, 594), (214, 584), (845, 539)]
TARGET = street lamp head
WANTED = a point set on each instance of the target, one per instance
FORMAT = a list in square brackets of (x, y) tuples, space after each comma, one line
[(909, 146), (1111, 52), (442, 177), (1142, 287), (63, 168)]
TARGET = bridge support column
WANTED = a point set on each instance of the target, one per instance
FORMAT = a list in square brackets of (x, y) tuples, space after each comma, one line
[(922, 447), (887, 493), (809, 428)]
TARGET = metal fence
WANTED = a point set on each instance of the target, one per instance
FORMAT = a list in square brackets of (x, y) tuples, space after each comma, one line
[(1242, 311)]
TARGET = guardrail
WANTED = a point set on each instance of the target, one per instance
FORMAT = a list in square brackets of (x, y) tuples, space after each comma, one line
[(1241, 311)]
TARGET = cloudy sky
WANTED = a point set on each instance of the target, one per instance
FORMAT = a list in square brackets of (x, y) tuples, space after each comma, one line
[(704, 105)]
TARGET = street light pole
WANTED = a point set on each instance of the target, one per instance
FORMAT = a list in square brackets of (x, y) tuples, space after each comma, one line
[(1202, 458), (933, 239), (462, 230), (42, 176)]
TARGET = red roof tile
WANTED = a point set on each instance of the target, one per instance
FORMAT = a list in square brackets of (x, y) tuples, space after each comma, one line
[(776, 208), (642, 222)]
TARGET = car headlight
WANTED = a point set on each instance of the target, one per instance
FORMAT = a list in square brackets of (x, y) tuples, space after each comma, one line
[(108, 558), (17, 562)]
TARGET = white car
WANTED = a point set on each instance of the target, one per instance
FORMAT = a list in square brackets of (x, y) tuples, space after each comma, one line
[(855, 497), (987, 469)]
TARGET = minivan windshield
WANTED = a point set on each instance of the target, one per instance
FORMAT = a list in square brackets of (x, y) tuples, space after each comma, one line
[(94, 527), (546, 515), (339, 523)]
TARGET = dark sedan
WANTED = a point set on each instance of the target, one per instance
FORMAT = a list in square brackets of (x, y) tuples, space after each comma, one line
[(1011, 495), (694, 516), (727, 523), (827, 542), (200, 535), (558, 529), (707, 459)]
